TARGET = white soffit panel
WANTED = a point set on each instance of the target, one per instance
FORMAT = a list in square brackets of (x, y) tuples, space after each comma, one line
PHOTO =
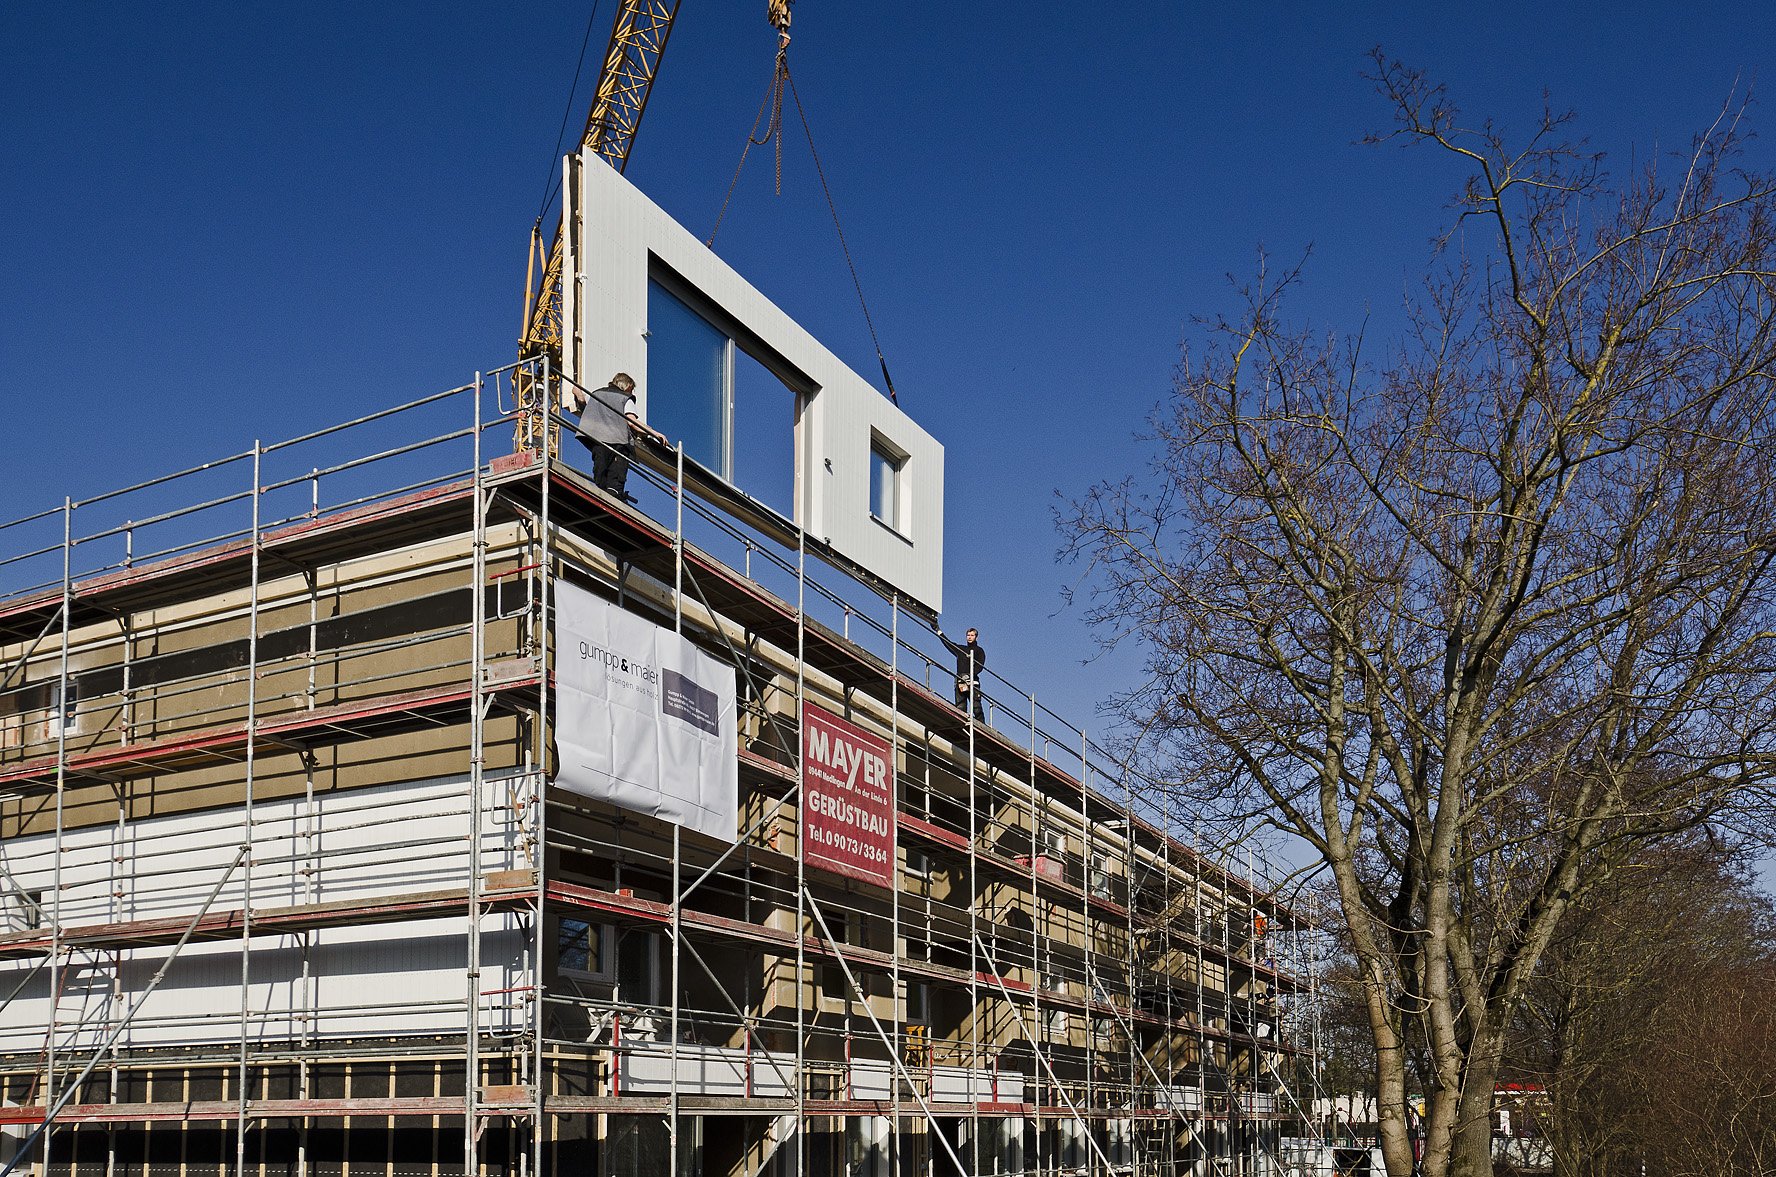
[(615, 235)]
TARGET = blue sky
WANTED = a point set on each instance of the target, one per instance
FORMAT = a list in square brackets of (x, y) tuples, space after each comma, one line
[(229, 222)]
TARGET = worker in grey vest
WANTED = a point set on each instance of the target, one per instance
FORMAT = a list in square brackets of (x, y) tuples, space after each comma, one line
[(607, 428)]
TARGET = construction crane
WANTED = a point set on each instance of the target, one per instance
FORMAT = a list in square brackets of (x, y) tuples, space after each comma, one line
[(638, 38)]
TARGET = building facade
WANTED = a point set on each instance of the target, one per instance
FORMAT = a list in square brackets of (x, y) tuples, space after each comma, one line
[(292, 882), (386, 801)]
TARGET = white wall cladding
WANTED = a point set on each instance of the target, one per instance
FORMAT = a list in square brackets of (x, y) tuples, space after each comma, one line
[(616, 234), (706, 1070), (361, 844), (334, 984), (971, 1085), (646, 1069)]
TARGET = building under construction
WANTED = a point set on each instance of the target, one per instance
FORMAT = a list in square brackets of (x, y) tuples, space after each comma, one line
[(386, 801)]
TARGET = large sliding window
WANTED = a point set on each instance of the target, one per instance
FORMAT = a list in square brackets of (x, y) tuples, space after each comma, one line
[(688, 379), (735, 416)]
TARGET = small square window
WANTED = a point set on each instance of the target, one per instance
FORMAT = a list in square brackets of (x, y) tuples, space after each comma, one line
[(583, 948), (1054, 843), (64, 707), (834, 988), (887, 483), (22, 909), (918, 1002), (1100, 876)]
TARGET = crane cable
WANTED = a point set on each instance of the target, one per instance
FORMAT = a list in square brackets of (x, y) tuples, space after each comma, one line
[(846, 249), (554, 184), (773, 101)]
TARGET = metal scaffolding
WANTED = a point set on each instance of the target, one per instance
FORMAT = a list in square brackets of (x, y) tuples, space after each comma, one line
[(314, 681)]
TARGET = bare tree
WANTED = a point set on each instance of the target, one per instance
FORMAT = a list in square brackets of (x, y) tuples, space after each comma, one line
[(1480, 622), (1712, 1097), (1643, 980)]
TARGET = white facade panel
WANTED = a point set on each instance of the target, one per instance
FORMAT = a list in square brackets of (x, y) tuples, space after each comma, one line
[(973, 1085), (1181, 1099), (354, 844), (337, 983), (707, 1070), (871, 1080), (401, 978), (616, 238)]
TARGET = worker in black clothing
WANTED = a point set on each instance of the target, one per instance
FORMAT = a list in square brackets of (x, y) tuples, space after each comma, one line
[(971, 659)]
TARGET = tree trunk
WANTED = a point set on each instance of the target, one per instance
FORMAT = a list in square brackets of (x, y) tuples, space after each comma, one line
[(1470, 1153), (1391, 1126)]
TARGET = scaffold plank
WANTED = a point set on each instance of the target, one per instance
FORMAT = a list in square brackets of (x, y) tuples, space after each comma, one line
[(228, 742), (272, 921)]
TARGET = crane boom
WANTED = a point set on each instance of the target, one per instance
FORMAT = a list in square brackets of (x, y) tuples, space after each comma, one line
[(638, 38)]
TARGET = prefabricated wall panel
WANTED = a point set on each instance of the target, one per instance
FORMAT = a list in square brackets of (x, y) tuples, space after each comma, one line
[(617, 239), (335, 984)]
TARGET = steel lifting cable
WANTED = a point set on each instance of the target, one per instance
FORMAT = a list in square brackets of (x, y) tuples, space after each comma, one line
[(554, 184), (833, 208), (773, 101)]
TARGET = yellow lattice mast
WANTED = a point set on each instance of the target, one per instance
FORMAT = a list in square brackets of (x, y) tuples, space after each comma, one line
[(638, 38)]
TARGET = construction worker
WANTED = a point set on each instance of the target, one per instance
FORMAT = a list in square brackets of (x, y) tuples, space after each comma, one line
[(971, 659), (608, 426)]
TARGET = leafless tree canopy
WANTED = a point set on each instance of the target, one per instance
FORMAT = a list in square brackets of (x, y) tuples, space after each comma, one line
[(1651, 1030), (1481, 619)]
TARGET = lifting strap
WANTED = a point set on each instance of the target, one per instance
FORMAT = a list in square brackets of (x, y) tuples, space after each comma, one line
[(773, 103)]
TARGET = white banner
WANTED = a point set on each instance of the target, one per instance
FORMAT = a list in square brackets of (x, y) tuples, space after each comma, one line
[(644, 719)]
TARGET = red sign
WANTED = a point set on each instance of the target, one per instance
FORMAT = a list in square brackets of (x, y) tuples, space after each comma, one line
[(847, 798)]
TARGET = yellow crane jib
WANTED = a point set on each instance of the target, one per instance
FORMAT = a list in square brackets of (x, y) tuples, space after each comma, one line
[(631, 62)]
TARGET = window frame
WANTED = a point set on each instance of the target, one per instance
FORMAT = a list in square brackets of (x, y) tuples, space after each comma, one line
[(885, 455), (1098, 876), (606, 970), (698, 308), (64, 708), (800, 387)]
